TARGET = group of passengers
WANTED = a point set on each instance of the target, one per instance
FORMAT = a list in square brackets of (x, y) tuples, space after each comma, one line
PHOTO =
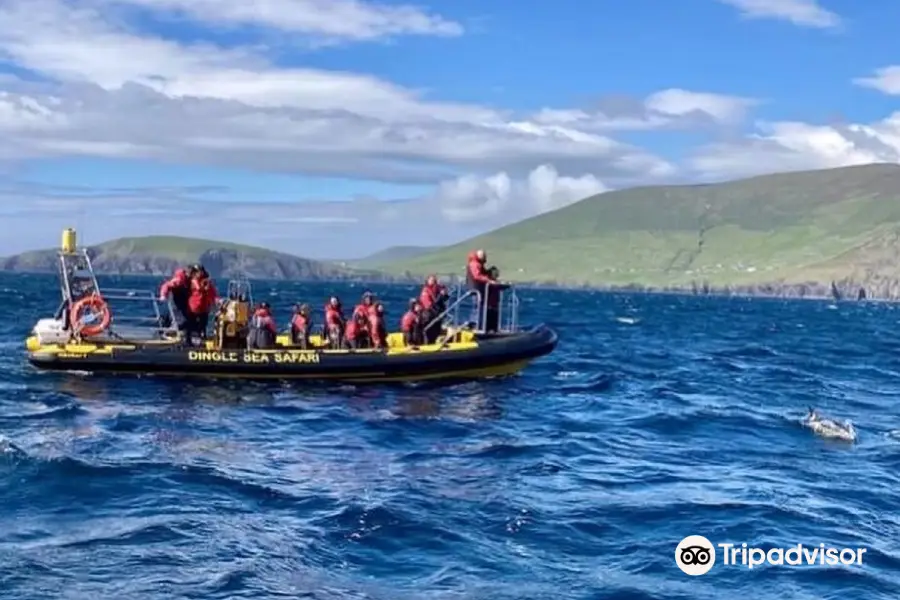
[(365, 326), (194, 296)]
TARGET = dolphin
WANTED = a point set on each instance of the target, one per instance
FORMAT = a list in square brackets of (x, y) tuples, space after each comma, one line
[(829, 428)]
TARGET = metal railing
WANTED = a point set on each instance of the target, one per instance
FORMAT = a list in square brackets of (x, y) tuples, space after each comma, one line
[(454, 308), (76, 268), (78, 280), (470, 300)]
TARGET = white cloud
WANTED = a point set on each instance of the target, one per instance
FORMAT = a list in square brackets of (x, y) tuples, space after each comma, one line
[(790, 146), (671, 108), (681, 103), (459, 208), (471, 198), (804, 13), (885, 79), (128, 95), (335, 19), (107, 89)]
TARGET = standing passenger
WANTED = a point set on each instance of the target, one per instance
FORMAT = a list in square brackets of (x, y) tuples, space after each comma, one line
[(477, 279), (377, 331), (300, 325), (179, 286), (334, 322), (202, 299)]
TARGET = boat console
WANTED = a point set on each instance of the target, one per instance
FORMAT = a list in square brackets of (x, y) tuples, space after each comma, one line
[(233, 318)]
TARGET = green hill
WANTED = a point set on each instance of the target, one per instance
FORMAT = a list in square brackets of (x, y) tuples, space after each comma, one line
[(160, 255), (813, 226)]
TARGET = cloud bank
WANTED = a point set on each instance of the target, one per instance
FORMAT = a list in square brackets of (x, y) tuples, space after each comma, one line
[(92, 78)]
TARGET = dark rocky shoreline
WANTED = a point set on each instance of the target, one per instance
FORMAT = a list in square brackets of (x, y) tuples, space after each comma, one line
[(882, 289)]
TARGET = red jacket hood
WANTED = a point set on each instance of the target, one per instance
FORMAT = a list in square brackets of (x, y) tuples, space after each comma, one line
[(473, 256)]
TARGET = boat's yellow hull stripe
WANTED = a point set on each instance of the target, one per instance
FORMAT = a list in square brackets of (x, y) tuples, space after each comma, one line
[(396, 347)]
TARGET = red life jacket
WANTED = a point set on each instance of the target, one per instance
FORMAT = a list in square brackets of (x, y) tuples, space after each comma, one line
[(299, 321), (203, 296), (408, 321)]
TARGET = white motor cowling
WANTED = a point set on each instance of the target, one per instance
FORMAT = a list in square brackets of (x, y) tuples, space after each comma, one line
[(50, 331)]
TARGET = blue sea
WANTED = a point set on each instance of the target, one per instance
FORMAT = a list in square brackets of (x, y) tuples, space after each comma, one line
[(657, 417)]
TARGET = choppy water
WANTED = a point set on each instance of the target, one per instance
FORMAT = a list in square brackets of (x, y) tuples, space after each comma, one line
[(657, 417)]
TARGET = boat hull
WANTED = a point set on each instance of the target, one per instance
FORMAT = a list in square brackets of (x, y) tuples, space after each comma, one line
[(494, 356)]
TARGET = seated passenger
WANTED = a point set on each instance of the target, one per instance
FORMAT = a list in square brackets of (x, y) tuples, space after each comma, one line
[(366, 304), (334, 322), (365, 308), (356, 334), (262, 332), (300, 326), (411, 324), (377, 331)]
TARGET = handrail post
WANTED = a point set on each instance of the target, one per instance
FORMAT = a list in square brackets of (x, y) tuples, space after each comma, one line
[(482, 326), (500, 310)]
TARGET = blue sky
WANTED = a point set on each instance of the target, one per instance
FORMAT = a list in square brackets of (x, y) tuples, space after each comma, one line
[(338, 128)]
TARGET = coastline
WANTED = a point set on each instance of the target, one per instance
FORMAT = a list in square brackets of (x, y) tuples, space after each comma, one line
[(886, 290)]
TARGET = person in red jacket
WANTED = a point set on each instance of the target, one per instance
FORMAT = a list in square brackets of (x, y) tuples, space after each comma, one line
[(263, 332), (356, 333), (428, 297), (411, 324), (366, 304), (334, 322), (300, 326), (201, 301), (477, 278), (377, 330), (366, 308), (179, 286), (433, 300)]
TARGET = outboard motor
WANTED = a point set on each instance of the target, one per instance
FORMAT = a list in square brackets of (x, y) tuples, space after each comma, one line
[(232, 324)]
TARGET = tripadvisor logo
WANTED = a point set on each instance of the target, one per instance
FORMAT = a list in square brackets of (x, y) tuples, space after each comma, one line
[(696, 555)]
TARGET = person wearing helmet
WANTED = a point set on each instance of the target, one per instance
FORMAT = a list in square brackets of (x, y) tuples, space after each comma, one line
[(433, 302), (356, 333), (377, 331), (202, 300), (411, 324), (262, 332), (179, 287), (334, 322), (366, 304), (478, 279), (366, 308), (300, 325)]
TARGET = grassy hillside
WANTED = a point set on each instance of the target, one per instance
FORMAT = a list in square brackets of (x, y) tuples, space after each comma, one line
[(794, 227), (391, 255), (160, 255)]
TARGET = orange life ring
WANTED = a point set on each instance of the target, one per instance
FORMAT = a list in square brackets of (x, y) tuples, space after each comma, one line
[(98, 305)]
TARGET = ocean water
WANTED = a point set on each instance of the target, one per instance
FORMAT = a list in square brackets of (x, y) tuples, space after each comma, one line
[(657, 417)]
